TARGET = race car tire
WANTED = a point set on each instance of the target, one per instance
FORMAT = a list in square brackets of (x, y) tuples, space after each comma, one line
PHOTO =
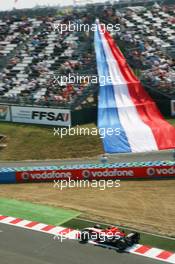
[(136, 238), (121, 245), (132, 238)]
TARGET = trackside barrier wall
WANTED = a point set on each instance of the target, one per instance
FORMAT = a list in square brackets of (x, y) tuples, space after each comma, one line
[(134, 170), (7, 176)]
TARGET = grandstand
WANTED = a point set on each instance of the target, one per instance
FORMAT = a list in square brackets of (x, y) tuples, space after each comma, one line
[(149, 33), (32, 53)]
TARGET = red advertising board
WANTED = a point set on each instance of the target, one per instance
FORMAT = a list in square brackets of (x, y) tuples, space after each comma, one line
[(103, 173)]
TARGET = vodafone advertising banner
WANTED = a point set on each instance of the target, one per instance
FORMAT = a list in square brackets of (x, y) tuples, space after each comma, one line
[(90, 174), (43, 116)]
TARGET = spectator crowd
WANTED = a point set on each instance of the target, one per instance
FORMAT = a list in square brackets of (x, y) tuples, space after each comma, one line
[(149, 37), (33, 54)]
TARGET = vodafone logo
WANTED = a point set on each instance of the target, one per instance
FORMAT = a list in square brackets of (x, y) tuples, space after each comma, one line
[(108, 173), (86, 173), (166, 171), (25, 176), (45, 175), (161, 171), (50, 175), (151, 171)]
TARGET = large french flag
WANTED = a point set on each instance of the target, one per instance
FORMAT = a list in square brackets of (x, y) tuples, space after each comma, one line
[(124, 107)]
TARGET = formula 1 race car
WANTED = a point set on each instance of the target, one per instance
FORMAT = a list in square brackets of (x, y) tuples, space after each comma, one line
[(111, 236)]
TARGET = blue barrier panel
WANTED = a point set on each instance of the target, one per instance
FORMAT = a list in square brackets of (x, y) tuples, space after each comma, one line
[(7, 177)]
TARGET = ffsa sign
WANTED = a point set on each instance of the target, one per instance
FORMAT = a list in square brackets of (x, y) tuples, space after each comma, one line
[(45, 116), (50, 116)]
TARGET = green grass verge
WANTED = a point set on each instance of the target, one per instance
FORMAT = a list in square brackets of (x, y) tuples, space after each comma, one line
[(35, 212), (25, 142), (146, 239)]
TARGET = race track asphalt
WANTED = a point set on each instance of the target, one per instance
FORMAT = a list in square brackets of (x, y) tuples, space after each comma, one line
[(22, 246)]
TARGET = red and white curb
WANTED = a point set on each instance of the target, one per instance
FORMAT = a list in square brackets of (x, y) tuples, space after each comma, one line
[(59, 231)]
